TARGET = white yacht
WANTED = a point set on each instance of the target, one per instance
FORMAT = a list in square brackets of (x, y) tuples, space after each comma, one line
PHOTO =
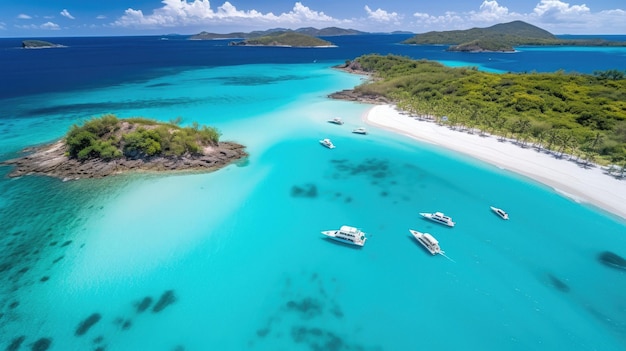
[(348, 235), (428, 241), (359, 130), (439, 217), (326, 142), (500, 212), (336, 120)]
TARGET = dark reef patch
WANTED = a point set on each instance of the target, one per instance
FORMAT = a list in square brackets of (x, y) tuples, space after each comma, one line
[(14, 304), (307, 190), (166, 299), (558, 283), (57, 259), (85, 325), (256, 80), (16, 343), (92, 108), (66, 243), (98, 339), (157, 85), (613, 260), (318, 339), (42, 344), (143, 305), (307, 308), (261, 333), (44, 279), (127, 324)]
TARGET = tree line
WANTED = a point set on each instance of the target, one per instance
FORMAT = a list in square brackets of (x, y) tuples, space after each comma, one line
[(583, 115)]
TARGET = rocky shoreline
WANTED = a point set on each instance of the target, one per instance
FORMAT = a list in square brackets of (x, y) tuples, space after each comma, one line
[(52, 160), (354, 67)]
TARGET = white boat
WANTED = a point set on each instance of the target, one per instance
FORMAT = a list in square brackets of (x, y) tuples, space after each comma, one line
[(326, 142), (500, 212), (348, 235), (336, 120), (439, 217), (360, 130), (428, 241)]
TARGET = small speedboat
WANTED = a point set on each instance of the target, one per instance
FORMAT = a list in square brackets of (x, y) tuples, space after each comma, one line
[(327, 143), (439, 217), (348, 235), (500, 212), (428, 241), (336, 120), (359, 130)]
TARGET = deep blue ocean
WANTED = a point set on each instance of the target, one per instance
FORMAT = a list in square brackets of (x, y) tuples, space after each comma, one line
[(234, 259)]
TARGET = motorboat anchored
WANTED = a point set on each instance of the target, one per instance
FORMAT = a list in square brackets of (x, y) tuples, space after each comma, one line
[(326, 142), (360, 130), (439, 217), (335, 120), (428, 241), (348, 235), (500, 212)]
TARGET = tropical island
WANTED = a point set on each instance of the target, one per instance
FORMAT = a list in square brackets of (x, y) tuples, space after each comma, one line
[(284, 39), (39, 44), (580, 115), (501, 37), (108, 145), (310, 31)]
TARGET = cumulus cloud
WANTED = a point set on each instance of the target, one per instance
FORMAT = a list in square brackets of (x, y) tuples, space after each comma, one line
[(554, 15), (50, 26), (66, 13), (101, 17), (382, 15), (443, 21), (23, 16), (199, 12)]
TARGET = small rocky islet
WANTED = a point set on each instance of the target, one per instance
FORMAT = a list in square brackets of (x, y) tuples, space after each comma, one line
[(107, 146)]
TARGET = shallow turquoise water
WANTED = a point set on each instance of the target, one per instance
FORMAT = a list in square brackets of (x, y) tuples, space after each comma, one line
[(241, 251)]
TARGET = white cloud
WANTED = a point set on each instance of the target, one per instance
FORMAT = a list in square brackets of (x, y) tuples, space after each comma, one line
[(427, 21), (24, 16), (490, 11), (199, 12), (66, 13), (101, 17), (45, 26), (3, 26), (556, 8), (50, 26), (553, 15), (382, 16)]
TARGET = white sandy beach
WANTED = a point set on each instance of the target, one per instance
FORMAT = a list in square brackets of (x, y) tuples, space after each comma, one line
[(590, 185)]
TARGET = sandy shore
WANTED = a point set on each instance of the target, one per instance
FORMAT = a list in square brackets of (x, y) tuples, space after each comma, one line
[(589, 185)]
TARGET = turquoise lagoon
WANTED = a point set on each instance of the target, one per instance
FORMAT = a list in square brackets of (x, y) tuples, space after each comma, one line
[(236, 256)]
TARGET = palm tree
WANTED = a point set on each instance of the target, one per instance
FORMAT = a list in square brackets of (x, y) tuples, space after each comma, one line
[(553, 137), (565, 141)]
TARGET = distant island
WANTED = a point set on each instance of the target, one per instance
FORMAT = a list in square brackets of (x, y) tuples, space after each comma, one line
[(39, 44), (314, 32), (284, 39), (501, 37), (107, 145)]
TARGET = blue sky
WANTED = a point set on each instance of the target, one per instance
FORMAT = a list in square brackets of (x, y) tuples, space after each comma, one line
[(46, 18)]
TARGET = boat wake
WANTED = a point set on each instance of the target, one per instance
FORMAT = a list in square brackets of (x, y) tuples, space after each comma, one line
[(444, 255)]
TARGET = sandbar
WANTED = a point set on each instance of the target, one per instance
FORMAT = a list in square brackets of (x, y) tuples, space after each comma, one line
[(584, 185)]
